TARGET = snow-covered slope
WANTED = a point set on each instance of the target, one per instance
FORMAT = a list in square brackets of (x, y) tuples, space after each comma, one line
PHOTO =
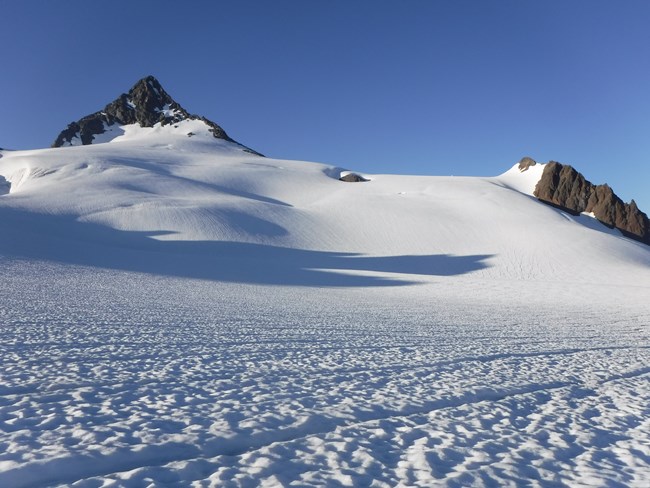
[(154, 188), (177, 310)]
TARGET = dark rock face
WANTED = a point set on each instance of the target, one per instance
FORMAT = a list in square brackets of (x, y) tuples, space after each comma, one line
[(564, 187), (352, 178), (146, 104)]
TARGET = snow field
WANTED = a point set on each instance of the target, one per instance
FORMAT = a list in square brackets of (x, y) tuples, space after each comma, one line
[(126, 380), (175, 311)]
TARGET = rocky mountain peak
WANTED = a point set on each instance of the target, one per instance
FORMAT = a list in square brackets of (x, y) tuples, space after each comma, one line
[(146, 103)]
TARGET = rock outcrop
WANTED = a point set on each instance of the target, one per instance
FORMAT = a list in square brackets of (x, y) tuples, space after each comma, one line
[(564, 187), (526, 163), (146, 104), (352, 178)]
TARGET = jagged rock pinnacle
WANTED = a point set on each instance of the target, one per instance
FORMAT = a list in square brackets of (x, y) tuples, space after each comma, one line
[(146, 104), (564, 187)]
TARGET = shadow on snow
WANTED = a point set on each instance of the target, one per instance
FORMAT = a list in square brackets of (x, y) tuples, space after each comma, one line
[(64, 239)]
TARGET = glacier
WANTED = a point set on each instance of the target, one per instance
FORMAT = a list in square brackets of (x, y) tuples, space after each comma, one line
[(177, 311)]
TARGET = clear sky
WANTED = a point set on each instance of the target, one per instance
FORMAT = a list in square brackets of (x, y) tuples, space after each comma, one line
[(440, 87)]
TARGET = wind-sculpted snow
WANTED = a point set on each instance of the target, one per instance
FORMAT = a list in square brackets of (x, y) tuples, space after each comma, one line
[(175, 311), (130, 380)]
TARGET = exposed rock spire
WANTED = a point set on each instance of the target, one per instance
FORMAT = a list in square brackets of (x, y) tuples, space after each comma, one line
[(146, 104)]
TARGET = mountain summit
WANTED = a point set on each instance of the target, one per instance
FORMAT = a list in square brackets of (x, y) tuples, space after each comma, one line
[(146, 104)]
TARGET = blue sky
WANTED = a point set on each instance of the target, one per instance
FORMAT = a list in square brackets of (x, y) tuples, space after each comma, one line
[(453, 87)]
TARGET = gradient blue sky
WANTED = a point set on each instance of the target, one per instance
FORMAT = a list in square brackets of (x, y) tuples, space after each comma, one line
[(414, 86)]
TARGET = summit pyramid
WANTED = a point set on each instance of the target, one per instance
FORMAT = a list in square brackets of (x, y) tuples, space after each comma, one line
[(146, 104)]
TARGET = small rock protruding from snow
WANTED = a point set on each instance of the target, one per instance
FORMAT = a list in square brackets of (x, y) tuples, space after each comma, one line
[(525, 163), (350, 177), (523, 176)]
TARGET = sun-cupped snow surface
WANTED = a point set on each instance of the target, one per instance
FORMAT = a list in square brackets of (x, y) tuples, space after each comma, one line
[(176, 311)]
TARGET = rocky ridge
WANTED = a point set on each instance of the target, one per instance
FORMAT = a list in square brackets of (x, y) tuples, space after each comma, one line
[(562, 186), (146, 104)]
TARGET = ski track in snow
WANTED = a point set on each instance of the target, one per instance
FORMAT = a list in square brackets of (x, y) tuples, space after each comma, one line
[(113, 378)]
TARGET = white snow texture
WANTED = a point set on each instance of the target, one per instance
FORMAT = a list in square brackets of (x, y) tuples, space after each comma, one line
[(178, 312)]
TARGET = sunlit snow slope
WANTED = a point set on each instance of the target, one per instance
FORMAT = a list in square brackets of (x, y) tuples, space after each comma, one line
[(159, 190), (176, 310)]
